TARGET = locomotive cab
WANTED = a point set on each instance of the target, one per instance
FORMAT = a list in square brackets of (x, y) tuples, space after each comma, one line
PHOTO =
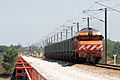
[(90, 45)]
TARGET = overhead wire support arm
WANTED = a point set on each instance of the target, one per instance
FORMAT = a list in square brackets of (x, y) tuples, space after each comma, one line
[(107, 7), (93, 16)]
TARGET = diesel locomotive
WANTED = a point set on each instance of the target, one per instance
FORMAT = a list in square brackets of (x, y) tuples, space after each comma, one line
[(86, 47)]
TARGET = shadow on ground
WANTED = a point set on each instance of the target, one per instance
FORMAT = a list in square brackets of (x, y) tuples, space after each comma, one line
[(62, 63), (65, 64)]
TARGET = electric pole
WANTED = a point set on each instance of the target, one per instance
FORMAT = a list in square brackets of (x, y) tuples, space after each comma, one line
[(57, 37), (71, 31), (66, 34), (54, 38), (77, 26), (106, 35), (61, 36), (51, 39), (88, 22)]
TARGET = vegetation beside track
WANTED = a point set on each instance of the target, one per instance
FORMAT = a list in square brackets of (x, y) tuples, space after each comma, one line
[(113, 48), (8, 58)]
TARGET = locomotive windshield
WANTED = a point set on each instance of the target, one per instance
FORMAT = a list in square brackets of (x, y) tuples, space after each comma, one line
[(90, 38)]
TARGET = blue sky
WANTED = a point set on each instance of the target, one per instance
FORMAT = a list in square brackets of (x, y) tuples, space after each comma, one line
[(27, 21)]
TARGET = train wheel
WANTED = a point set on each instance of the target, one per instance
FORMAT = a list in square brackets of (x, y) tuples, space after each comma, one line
[(92, 59), (88, 58)]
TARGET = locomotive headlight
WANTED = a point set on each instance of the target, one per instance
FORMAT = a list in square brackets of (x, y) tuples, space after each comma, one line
[(97, 48), (84, 48)]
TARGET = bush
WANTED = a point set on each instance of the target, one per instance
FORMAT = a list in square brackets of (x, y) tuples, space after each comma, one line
[(8, 60)]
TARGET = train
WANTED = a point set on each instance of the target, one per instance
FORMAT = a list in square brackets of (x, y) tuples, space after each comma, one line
[(84, 47)]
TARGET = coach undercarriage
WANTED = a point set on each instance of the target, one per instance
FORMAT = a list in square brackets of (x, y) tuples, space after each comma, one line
[(90, 58)]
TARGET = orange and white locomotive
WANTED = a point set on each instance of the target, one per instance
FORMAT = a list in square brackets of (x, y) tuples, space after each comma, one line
[(89, 45)]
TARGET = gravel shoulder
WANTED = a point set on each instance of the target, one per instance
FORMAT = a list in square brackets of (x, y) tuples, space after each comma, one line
[(56, 71)]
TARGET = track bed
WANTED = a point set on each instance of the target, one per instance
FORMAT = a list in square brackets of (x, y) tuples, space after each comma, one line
[(64, 71)]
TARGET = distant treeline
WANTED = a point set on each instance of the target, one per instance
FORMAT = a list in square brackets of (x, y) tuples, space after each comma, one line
[(8, 58), (113, 48)]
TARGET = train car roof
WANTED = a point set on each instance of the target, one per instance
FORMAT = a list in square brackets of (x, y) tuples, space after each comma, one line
[(85, 31), (88, 29)]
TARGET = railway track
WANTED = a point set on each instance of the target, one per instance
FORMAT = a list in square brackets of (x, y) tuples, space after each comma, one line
[(108, 66)]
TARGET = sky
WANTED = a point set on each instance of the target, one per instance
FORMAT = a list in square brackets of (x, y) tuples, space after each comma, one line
[(27, 21)]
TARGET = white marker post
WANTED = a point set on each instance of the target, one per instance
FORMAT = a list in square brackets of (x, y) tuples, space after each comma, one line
[(114, 55)]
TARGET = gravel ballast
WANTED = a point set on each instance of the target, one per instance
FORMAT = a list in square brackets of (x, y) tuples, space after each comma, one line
[(57, 71)]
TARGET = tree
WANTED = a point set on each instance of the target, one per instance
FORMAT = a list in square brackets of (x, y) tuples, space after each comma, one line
[(9, 59)]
